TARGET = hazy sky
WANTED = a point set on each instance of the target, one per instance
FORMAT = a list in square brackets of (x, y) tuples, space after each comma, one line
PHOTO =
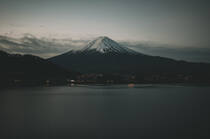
[(178, 22)]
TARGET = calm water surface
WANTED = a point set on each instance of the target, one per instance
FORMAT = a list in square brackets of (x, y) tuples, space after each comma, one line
[(105, 112)]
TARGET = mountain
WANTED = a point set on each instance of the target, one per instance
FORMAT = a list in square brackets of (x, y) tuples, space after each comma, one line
[(29, 69), (105, 45), (106, 56), (96, 56), (46, 47)]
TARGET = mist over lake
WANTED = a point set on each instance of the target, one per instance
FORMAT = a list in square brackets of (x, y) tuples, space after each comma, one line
[(104, 112)]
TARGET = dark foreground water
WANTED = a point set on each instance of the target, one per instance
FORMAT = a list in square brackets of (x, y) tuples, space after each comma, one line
[(105, 112)]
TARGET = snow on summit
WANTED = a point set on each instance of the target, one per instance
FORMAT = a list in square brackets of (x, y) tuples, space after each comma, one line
[(104, 44)]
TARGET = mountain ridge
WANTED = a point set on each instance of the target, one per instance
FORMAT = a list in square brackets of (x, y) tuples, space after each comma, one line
[(29, 70), (138, 64), (104, 45), (46, 47)]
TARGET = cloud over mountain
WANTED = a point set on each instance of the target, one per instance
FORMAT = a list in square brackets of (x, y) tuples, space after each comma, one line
[(48, 47), (44, 47), (195, 54)]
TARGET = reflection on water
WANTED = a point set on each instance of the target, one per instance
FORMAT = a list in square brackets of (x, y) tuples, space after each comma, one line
[(119, 111)]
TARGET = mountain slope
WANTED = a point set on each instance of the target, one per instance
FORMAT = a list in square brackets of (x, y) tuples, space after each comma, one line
[(105, 45), (98, 52), (29, 68), (103, 55)]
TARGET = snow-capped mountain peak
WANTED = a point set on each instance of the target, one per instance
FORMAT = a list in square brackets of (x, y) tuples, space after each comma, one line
[(104, 44)]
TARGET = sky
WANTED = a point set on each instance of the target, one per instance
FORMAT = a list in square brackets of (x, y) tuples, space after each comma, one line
[(184, 23)]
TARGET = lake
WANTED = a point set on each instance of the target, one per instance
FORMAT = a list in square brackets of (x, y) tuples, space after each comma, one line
[(105, 112)]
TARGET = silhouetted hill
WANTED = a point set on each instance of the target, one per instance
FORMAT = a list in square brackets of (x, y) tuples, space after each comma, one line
[(29, 69)]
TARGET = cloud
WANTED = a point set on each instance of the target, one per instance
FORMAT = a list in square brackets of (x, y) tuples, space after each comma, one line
[(194, 54), (44, 47), (48, 47)]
